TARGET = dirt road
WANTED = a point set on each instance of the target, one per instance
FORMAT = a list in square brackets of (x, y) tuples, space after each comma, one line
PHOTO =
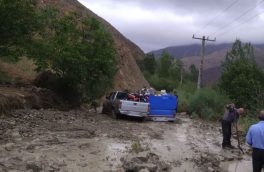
[(50, 140)]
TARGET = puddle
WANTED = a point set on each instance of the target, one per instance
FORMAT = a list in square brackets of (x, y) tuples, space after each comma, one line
[(117, 147), (115, 151)]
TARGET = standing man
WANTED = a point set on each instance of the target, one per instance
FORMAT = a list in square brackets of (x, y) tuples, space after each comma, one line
[(231, 115), (255, 138)]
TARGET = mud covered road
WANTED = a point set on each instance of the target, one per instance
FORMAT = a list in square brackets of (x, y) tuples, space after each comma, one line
[(50, 140)]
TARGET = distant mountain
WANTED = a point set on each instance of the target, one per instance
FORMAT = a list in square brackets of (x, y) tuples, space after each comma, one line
[(214, 56), (190, 50), (179, 52)]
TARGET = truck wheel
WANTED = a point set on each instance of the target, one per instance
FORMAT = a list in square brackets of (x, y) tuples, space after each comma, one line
[(142, 119), (114, 114), (103, 111)]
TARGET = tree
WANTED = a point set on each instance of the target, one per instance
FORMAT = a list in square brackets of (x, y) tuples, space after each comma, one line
[(77, 49), (150, 63), (241, 78), (176, 70), (18, 20), (193, 75), (164, 65), (79, 52)]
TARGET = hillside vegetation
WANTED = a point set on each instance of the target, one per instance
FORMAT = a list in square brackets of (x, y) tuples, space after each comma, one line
[(86, 55), (241, 82), (78, 51)]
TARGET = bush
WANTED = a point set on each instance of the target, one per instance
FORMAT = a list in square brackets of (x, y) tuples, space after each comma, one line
[(160, 83), (184, 93), (4, 78), (208, 104), (246, 122)]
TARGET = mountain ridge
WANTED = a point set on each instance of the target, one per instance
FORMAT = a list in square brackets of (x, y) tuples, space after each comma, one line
[(182, 51), (214, 56)]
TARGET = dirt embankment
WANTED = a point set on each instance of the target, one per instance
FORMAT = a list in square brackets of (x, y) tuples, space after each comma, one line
[(51, 140), (27, 98)]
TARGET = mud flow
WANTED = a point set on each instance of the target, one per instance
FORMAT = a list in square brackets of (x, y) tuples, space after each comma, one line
[(50, 140)]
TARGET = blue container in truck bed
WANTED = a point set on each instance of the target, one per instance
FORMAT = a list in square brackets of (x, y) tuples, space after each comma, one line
[(163, 108)]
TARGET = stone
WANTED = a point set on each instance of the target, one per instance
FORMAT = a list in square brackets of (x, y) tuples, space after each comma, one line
[(144, 170), (210, 169)]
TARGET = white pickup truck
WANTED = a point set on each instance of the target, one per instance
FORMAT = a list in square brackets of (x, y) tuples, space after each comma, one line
[(117, 104)]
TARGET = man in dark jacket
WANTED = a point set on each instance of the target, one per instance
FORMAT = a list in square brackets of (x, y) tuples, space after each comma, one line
[(255, 138), (231, 115)]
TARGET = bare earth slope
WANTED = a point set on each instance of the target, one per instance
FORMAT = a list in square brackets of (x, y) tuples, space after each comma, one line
[(129, 75)]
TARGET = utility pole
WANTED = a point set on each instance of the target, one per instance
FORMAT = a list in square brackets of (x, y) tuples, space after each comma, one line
[(200, 76)]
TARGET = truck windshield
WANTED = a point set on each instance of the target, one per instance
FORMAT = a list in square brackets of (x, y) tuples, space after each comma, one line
[(121, 96)]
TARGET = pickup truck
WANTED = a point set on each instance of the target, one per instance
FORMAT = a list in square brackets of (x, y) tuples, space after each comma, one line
[(117, 104)]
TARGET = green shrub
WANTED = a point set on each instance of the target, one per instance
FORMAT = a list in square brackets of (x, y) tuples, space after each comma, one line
[(207, 113), (136, 147), (207, 103), (194, 115), (4, 78), (160, 83), (184, 93), (247, 121)]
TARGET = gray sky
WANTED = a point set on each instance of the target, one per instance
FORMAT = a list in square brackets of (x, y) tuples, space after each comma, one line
[(155, 24)]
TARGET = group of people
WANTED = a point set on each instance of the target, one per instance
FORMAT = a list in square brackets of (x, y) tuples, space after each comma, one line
[(255, 135)]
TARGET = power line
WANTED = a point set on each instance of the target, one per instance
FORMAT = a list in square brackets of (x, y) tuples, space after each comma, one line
[(219, 14), (239, 17), (232, 28)]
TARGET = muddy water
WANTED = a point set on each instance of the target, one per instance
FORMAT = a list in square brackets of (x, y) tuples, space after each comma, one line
[(97, 154), (192, 146), (237, 166), (81, 141), (174, 147)]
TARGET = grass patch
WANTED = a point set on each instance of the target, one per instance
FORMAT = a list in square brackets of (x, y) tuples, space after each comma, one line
[(8, 103), (136, 147), (22, 71)]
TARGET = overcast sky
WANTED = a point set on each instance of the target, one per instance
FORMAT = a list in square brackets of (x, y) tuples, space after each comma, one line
[(155, 24)]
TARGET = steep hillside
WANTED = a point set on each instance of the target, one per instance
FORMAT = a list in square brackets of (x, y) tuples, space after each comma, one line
[(129, 75)]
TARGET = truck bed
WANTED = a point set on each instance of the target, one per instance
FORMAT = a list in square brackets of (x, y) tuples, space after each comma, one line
[(131, 108)]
